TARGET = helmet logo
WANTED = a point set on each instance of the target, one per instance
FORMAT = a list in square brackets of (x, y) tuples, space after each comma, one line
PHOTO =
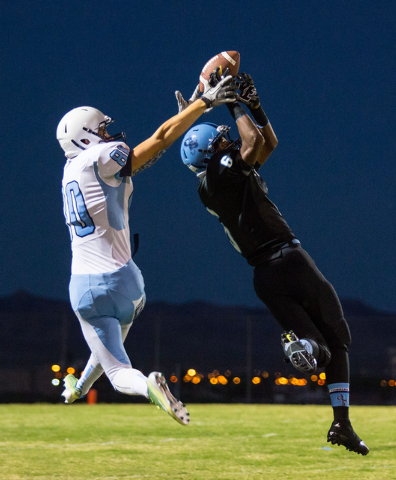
[(191, 143)]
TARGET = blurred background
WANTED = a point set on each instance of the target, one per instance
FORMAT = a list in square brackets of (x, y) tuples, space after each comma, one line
[(325, 75)]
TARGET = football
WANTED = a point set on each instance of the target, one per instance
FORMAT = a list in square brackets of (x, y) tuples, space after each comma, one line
[(223, 60)]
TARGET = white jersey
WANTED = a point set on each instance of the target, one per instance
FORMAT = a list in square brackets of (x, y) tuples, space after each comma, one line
[(96, 202)]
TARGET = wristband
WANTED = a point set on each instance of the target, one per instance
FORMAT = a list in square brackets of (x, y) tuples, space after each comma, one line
[(206, 101), (259, 116), (236, 110)]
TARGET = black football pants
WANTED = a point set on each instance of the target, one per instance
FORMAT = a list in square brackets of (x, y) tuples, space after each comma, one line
[(302, 300)]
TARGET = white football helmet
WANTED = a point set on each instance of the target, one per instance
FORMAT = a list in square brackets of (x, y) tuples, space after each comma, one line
[(79, 130)]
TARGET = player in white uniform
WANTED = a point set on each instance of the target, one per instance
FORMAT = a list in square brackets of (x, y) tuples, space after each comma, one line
[(106, 286)]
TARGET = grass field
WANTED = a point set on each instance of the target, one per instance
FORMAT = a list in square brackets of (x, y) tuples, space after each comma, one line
[(136, 441)]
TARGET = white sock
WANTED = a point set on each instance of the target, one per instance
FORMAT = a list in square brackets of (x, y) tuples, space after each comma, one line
[(130, 381)]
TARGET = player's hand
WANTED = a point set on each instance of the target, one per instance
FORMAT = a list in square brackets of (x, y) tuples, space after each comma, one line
[(215, 77), (223, 92), (248, 95), (183, 104)]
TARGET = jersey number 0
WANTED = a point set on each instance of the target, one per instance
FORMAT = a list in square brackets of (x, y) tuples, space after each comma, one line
[(78, 214)]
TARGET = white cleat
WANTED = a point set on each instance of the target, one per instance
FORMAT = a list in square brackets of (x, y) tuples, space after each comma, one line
[(161, 396), (71, 393)]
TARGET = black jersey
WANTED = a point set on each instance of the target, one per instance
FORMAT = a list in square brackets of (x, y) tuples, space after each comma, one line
[(234, 192)]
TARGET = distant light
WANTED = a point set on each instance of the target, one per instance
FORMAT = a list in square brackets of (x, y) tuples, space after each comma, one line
[(196, 380), (71, 370), (302, 382), (265, 374), (186, 378), (391, 383), (55, 382), (283, 381), (321, 382), (294, 381), (236, 380), (216, 373), (214, 380), (58, 375), (314, 378), (384, 383), (227, 373), (256, 380), (191, 372), (322, 376), (222, 379), (173, 379), (55, 368)]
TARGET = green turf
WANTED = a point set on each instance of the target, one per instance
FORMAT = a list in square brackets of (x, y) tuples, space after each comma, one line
[(270, 442)]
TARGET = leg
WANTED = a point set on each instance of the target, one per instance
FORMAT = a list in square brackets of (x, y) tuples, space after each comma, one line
[(93, 369), (300, 298), (104, 338)]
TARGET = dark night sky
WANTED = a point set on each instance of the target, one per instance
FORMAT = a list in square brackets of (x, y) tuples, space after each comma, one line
[(325, 72)]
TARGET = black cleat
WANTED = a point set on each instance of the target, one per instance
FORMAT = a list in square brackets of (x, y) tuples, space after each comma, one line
[(297, 354), (342, 433)]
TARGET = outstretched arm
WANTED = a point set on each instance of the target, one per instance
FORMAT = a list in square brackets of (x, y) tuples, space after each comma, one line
[(173, 128), (249, 97), (252, 140)]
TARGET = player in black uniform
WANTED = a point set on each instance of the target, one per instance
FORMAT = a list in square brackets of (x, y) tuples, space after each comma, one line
[(286, 279)]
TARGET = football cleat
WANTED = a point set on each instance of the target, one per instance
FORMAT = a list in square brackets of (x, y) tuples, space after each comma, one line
[(161, 396), (342, 433), (71, 393), (297, 354)]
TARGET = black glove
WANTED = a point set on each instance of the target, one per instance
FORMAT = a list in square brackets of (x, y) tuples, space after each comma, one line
[(215, 76), (248, 95)]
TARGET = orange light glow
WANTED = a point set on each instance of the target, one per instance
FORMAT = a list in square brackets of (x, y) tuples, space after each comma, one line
[(191, 372), (314, 378), (256, 380), (236, 380), (196, 380), (55, 368), (322, 376), (173, 379), (71, 370), (214, 380), (321, 382), (265, 374), (222, 379), (391, 383), (384, 383), (186, 378)]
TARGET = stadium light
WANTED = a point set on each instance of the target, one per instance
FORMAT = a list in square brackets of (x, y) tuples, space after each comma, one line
[(236, 380), (256, 380), (55, 382), (55, 368), (191, 372), (71, 370)]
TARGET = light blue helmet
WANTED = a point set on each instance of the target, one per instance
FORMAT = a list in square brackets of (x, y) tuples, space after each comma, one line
[(199, 144)]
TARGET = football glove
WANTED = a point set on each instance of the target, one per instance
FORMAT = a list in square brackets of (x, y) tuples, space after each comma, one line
[(223, 92), (183, 104), (248, 95)]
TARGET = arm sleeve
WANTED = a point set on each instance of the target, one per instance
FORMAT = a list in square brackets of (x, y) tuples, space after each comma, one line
[(112, 159)]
